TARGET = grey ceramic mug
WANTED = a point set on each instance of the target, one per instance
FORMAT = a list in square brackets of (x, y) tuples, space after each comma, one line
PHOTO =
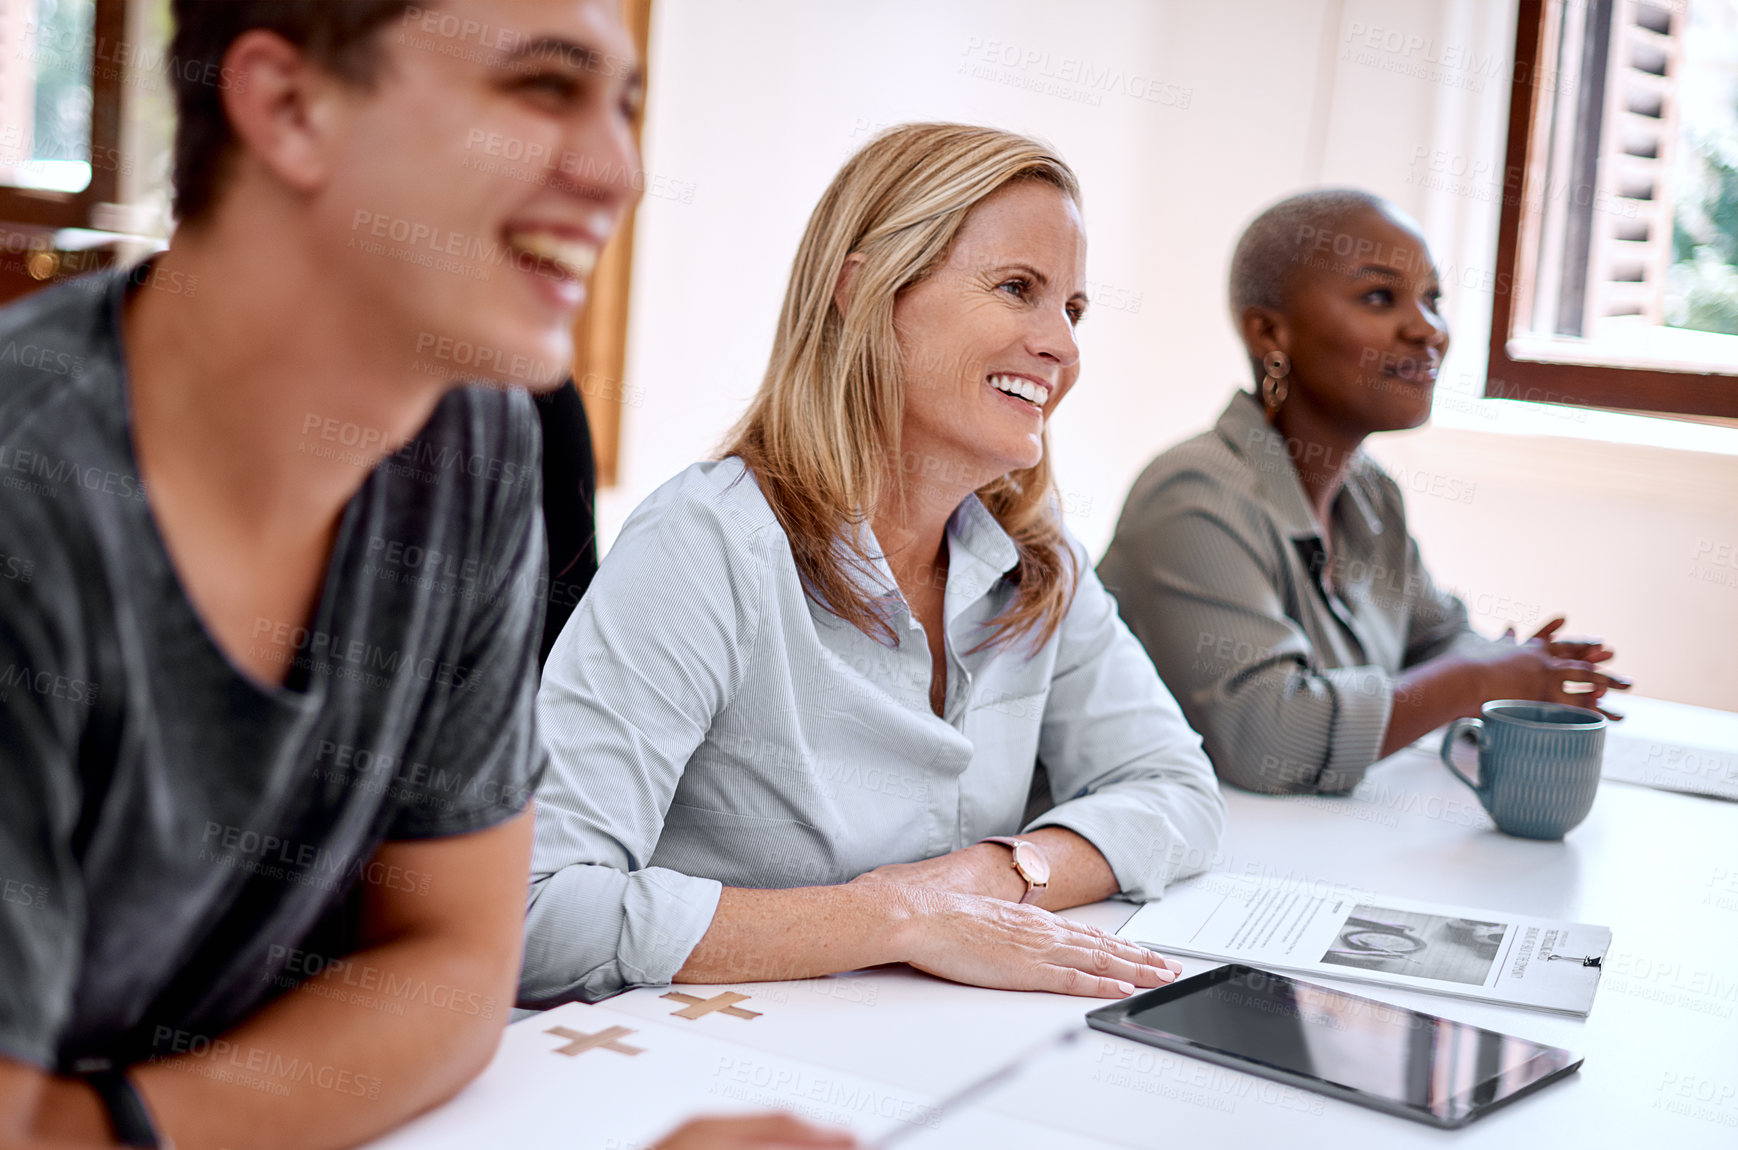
[(1538, 764)]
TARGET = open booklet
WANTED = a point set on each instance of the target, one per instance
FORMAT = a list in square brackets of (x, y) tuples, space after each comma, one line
[(1338, 932)]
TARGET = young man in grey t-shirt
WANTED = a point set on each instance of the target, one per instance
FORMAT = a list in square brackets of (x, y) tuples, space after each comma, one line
[(269, 594)]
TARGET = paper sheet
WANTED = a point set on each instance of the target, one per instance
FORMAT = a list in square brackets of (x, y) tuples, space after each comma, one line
[(1335, 931)]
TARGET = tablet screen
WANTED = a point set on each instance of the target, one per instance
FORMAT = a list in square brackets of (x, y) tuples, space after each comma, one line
[(1443, 1068)]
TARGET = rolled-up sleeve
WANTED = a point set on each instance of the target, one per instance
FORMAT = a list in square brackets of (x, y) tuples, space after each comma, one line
[(655, 651), (1127, 773), (1203, 600)]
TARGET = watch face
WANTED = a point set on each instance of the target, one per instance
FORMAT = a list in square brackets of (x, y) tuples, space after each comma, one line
[(1032, 864)]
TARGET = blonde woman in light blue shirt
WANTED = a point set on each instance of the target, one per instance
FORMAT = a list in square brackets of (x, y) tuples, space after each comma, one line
[(814, 676)]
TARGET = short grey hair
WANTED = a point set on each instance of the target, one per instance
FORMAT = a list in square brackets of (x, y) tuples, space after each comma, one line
[(1271, 250)]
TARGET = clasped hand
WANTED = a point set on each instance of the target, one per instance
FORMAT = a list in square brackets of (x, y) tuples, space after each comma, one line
[(1544, 666)]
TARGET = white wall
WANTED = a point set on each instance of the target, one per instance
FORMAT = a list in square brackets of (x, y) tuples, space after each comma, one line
[(755, 104)]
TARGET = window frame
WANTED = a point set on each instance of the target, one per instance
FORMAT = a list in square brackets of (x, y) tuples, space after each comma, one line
[(35, 207), (1646, 390)]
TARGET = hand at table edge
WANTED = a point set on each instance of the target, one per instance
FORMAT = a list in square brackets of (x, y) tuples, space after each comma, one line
[(772, 1131)]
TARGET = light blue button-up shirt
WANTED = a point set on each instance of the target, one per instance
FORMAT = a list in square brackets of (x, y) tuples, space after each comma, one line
[(709, 724)]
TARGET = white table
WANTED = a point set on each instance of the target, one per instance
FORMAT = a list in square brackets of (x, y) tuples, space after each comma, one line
[(1661, 1045)]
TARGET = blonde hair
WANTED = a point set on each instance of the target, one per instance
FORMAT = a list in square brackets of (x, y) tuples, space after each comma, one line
[(825, 423)]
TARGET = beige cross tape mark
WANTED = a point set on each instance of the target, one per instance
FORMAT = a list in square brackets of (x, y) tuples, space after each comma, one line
[(603, 1040), (722, 1003)]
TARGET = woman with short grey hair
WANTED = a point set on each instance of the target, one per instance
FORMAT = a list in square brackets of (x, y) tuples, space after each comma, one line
[(1266, 564)]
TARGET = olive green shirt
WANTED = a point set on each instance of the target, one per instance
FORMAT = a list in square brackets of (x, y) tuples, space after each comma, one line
[(1283, 660)]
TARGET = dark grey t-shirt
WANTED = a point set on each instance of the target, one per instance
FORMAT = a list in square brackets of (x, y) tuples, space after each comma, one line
[(177, 843)]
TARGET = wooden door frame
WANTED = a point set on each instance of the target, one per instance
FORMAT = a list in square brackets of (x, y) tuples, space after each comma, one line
[(601, 333)]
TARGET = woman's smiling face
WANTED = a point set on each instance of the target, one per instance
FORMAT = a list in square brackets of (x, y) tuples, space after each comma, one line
[(1366, 334), (987, 340)]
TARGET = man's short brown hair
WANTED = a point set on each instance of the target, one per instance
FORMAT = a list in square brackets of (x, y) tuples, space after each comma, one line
[(339, 35)]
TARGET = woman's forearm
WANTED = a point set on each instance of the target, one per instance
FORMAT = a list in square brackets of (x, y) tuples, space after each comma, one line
[(766, 935), (801, 932), (1429, 695), (1079, 874), (806, 932)]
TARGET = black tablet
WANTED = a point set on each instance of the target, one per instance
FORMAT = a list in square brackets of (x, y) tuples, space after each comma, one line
[(1343, 1045)]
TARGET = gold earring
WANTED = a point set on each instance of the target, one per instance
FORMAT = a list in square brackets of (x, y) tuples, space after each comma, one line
[(1275, 387)]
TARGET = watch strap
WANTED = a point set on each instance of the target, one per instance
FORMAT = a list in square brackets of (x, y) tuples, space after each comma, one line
[(128, 1117), (1034, 890)]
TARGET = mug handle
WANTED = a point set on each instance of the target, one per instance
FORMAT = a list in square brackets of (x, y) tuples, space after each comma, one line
[(1451, 736)]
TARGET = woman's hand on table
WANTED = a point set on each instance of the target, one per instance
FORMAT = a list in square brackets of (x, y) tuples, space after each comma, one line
[(958, 916), (756, 1132), (990, 942)]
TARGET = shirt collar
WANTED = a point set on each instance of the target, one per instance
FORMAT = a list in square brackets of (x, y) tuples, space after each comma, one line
[(1245, 430), (973, 533), (979, 554)]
